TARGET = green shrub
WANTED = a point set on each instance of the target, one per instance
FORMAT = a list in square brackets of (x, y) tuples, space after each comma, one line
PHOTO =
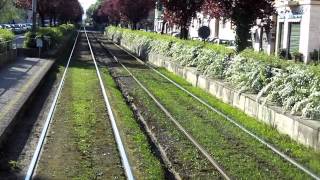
[(315, 55), (52, 36), (29, 40), (5, 37)]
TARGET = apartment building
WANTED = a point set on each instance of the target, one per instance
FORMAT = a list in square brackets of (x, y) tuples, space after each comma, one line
[(298, 26), (295, 28)]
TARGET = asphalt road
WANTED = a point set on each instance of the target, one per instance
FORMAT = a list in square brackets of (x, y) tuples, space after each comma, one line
[(19, 40)]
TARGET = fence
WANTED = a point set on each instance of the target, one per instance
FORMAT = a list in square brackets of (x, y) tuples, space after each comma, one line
[(8, 50)]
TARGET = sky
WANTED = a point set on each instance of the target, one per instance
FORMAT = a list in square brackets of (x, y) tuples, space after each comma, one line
[(86, 3)]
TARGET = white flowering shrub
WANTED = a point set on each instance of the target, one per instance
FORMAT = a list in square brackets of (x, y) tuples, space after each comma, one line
[(184, 54), (159, 46), (248, 74), (295, 87)]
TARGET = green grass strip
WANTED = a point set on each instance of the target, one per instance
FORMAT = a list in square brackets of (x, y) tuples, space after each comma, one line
[(301, 153), (238, 152)]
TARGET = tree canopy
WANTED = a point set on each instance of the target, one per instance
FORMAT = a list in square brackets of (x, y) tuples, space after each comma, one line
[(65, 11), (180, 13), (242, 13), (115, 11)]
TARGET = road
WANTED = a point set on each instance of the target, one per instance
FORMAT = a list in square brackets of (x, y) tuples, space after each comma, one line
[(19, 40)]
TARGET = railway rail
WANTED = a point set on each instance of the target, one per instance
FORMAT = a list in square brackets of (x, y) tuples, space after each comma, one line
[(197, 145), (37, 154), (124, 159), (204, 152)]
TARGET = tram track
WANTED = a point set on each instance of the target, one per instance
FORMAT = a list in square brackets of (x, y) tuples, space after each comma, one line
[(204, 103), (235, 123), (197, 145), (40, 153)]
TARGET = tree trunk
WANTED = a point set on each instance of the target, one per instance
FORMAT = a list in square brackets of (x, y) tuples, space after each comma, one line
[(163, 26), (55, 19), (134, 26), (242, 34), (184, 32), (50, 19), (42, 20)]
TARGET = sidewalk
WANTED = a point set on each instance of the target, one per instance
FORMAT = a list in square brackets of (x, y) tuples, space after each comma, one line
[(17, 82)]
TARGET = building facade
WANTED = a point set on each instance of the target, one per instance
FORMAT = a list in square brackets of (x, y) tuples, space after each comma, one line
[(298, 27), (295, 28)]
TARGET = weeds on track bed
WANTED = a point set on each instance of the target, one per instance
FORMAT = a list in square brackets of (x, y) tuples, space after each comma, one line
[(185, 158), (145, 164), (81, 143)]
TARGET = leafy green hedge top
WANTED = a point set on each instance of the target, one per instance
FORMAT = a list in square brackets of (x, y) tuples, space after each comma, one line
[(170, 39), (6, 35), (294, 86), (54, 33)]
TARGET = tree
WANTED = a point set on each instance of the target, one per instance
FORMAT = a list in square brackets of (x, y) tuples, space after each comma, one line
[(9, 11), (135, 11), (180, 13), (2, 4), (128, 11), (110, 9), (70, 10), (95, 13), (243, 13)]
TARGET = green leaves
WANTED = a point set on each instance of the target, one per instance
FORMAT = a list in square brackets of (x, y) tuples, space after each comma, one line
[(6, 35)]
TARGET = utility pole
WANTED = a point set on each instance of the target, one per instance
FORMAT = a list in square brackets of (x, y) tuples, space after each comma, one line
[(34, 16)]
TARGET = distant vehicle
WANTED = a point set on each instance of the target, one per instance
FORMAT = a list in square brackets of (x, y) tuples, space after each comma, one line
[(7, 26), (175, 34), (17, 28)]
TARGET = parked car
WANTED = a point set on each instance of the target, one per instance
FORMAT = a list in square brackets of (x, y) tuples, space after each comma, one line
[(29, 26), (175, 34)]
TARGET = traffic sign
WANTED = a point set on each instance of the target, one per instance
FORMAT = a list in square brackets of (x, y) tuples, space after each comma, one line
[(204, 32)]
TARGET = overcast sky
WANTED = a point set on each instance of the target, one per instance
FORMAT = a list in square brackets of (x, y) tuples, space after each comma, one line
[(86, 3)]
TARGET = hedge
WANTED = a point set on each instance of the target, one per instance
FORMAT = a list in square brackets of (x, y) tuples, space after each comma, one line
[(294, 86), (5, 35), (55, 35)]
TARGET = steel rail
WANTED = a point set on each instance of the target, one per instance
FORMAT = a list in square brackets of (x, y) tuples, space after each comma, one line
[(116, 133), (262, 141), (44, 132), (180, 127)]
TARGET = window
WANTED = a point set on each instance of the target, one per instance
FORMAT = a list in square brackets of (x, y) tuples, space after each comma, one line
[(294, 40), (281, 34)]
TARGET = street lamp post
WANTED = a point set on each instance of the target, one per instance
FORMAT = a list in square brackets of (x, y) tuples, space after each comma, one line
[(34, 15)]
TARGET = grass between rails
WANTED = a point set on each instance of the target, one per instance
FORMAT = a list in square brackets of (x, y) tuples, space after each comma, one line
[(92, 135), (255, 159), (186, 160), (238, 153), (81, 143), (144, 162), (301, 153)]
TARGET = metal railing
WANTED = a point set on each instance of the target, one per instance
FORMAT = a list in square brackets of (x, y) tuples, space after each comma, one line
[(8, 49), (12, 44)]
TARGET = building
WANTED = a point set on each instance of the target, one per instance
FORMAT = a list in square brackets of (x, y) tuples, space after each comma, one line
[(295, 28), (220, 29), (298, 27)]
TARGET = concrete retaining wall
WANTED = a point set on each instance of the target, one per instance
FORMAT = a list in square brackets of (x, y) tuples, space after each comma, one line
[(302, 130)]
